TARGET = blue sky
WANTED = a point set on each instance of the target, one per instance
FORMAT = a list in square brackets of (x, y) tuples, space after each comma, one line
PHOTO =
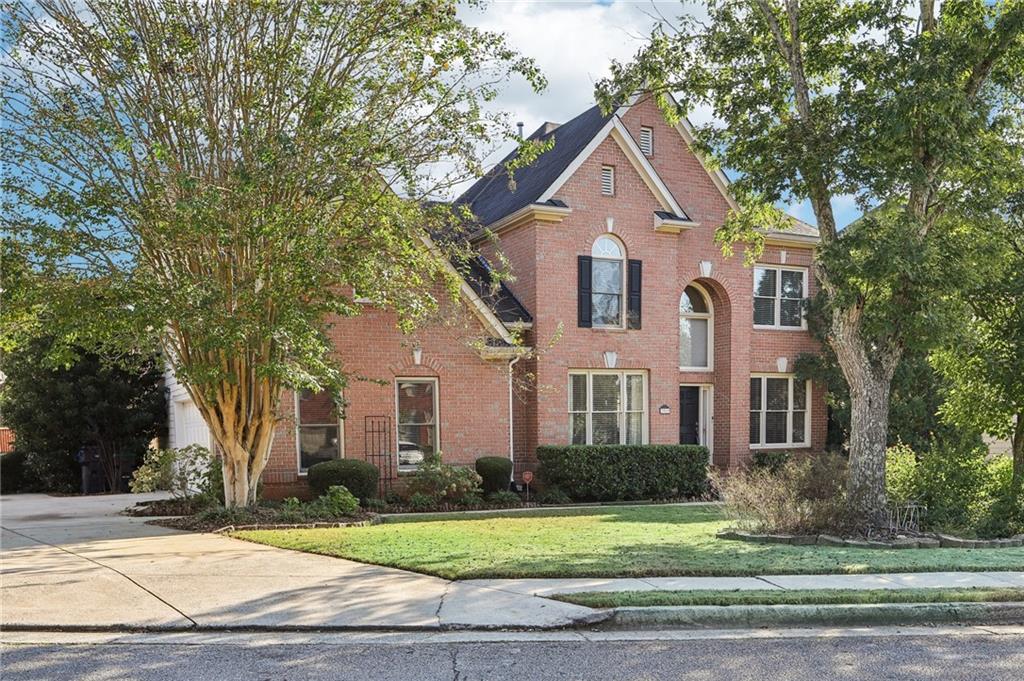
[(574, 42)]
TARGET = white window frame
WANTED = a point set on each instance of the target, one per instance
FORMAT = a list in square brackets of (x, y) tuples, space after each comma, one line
[(298, 439), (437, 414), (710, 317), (777, 298), (610, 171), (763, 411), (622, 373), (646, 149), (623, 274)]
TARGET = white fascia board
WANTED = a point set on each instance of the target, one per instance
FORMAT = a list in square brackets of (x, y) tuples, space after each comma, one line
[(617, 130), (479, 307)]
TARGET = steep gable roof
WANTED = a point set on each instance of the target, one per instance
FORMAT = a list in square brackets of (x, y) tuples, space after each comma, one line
[(490, 198)]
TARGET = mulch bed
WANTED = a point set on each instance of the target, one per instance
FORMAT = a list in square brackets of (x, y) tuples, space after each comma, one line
[(261, 519)]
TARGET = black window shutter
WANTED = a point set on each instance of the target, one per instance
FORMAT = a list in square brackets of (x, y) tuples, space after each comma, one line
[(583, 289), (635, 285)]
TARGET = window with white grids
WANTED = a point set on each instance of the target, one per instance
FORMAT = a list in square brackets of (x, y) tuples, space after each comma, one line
[(608, 180), (607, 407), (779, 412)]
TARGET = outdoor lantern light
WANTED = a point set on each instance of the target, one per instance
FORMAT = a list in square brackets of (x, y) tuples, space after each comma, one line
[(610, 358)]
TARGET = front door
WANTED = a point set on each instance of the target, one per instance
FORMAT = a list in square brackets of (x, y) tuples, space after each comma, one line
[(689, 414)]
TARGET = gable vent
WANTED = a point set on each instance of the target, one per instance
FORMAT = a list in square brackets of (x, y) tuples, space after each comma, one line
[(608, 180), (647, 141)]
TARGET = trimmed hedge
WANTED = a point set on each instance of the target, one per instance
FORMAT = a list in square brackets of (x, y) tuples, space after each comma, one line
[(625, 472), (496, 472), (357, 476)]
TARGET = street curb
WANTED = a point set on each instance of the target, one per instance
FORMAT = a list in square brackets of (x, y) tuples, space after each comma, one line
[(756, 616)]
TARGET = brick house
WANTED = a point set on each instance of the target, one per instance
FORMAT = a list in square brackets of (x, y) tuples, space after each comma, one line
[(642, 331)]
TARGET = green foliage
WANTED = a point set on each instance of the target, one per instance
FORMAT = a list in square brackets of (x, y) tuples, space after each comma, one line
[(504, 498), (553, 495), (225, 175), (12, 472), (186, 472), (803, 496), (336, 501), (55, 410), (496, 473), (771, 460), (965, 491), (623, 472), (418, 501), (443, 483), (358, 476)]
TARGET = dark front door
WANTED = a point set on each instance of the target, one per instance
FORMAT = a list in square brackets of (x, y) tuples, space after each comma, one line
[(689, 415)]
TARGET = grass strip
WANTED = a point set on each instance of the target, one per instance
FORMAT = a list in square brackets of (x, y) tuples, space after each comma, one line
[(616, 599)]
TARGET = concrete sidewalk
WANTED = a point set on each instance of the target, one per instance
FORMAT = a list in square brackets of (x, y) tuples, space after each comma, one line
[(75, 562), (911, 580)]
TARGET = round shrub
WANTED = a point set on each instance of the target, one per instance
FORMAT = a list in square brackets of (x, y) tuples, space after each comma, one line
[(496, 472), (12, 472), (357, 476)]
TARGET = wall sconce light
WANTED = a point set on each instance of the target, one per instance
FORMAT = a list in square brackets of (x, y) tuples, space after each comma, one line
[(417, 355), (780, 363), (664, 409), (705, 268), (610, 359)]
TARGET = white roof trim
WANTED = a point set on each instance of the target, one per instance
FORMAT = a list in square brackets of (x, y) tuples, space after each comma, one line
[(618, 132), (478, 306)]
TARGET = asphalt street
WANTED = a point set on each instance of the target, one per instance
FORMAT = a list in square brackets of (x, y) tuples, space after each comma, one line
[(925, 655)]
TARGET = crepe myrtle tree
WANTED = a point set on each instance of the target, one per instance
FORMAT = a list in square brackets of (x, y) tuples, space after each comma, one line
[(225, 174), (913, 110)]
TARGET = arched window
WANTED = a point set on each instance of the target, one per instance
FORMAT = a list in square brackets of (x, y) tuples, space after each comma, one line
[(607, 275), (696, 326)]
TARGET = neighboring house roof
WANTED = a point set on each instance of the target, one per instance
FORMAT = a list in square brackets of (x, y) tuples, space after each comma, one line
[(491, 198)]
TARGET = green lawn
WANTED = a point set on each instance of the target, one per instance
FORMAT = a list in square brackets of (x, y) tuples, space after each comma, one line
[(618, 599), (608, 541)]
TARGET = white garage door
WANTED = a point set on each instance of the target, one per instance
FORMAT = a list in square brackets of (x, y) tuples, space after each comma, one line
[(189, 427)]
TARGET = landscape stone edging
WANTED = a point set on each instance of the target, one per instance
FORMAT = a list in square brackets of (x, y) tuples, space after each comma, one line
[(375, 520), (922, 542)]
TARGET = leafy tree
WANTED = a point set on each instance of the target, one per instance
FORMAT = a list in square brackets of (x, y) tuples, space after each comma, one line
[(986, 365), (56, 410), (913, 110), (225, 174)]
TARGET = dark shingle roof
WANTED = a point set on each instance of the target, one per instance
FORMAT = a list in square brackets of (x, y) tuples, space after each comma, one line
[(506, 307), (490, 198)]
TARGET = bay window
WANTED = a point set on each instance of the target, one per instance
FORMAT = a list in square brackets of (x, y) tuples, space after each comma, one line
[(607, 407), (778, 411)]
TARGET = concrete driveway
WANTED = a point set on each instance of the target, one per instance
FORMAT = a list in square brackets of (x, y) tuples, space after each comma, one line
[(76, 562)]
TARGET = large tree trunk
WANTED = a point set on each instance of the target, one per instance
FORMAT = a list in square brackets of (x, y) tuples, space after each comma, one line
[(869, 378)]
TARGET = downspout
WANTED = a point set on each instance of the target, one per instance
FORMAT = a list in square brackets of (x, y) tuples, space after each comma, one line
[(511, 441)]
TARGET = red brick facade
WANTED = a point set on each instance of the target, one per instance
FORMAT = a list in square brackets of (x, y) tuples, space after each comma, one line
[(473, 393)]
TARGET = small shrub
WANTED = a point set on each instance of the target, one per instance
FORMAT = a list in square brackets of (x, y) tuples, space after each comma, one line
[(771, 460), (291, 504), (12, 472), (186, 472), (442, 482), (801, 497), (418, 501), (496, 473), (375, 505), (358, 476), (553, 495), (504, 498), (471, 500), (901, 474), (337, 501), (624, 472), (225, 516)]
